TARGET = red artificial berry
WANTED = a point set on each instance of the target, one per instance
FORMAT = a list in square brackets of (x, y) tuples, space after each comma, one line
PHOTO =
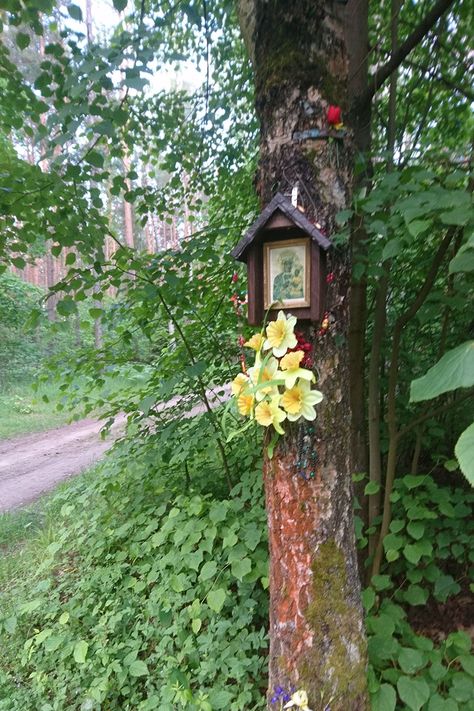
[(334, 115), (235, 277), (330, 278)]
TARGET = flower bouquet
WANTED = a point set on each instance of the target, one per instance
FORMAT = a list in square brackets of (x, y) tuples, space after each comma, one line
[(276, 388)]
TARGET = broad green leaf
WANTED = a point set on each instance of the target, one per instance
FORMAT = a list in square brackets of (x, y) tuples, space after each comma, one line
[(416, 595), (10, 624), (464, 451), (413, 692), (411, 660), (371, 488), (454, 370), (384, 699), (391, 249), (208, 570), (80, 651), (437, 703), (120, 5), (241, 567), (464, 260), (22, 40), (418, 226), (75, 12), (196, 625), (64, 618), (216, 599), (138, 668), (413, 553)]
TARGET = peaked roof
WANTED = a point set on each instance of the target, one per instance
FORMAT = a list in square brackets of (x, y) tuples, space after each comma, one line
[(279, 202)]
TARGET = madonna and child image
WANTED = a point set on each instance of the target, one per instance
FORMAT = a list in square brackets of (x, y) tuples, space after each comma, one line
[(286, 273)]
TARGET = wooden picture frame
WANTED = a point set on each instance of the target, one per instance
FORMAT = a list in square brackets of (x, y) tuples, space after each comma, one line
[(287, 274)]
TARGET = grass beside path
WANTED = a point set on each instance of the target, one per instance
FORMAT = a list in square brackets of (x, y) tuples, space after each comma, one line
[(23, 411)]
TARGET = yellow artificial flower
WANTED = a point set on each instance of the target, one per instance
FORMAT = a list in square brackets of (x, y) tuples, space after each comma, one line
[(290, 364), (299, 401), (300, 700), (245, 403), (255, 342), (239, 383), (260, 373), (280, 335), (268, 413)]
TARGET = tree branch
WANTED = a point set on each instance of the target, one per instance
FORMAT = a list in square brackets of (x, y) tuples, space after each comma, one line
[(405, 48), (433, 413)]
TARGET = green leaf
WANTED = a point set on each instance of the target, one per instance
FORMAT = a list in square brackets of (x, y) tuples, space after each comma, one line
[(80, 651), (64, 618), (418, 226), (444, 587), (208, 570), (454, 370), (437, 703), (196, 625), (138, 668), (22, 40), (120, 5), (241, 567), (416, 529), (10, 625), (95, 158), (416, 595), (464, 259), (75, 12), (371, 488), (467, 663), (413, 553), (216, 599), (413, 692), (381, 582), (368, 599), (384, 699), (411, 660), (391, 249), (464, 451)]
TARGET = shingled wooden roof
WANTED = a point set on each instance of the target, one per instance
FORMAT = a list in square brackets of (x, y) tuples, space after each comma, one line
[(281, 203)]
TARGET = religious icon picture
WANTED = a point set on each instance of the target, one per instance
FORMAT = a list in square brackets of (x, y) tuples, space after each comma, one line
[(287, 273)]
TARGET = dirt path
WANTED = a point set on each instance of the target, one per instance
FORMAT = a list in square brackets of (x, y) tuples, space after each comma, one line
[(32, 464)]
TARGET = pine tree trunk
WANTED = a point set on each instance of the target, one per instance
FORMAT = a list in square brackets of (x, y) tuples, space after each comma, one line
[(317, 639)]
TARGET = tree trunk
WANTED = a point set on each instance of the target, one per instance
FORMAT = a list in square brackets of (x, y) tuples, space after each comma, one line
[(317, 640)]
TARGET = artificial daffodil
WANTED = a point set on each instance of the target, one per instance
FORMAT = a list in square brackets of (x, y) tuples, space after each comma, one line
[(256, 342), (268, 413), (262, 372), (290, 365), (239, 383), (299, 401), (300, 700), (245, 402), (280, 335)]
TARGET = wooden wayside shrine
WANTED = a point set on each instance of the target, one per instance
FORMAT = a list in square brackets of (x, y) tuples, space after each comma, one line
[(286, 263)]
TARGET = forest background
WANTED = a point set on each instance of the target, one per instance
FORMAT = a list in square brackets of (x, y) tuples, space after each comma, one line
[(120, 201)]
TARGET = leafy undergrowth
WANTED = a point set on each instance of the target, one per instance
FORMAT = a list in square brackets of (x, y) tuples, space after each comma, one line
[(421, 609), (131, 594), (146, 599)]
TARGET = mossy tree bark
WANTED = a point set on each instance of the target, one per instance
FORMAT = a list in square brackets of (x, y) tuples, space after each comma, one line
[(317, 640)]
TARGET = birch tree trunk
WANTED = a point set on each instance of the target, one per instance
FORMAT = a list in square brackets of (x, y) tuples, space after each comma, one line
[(317, 639)]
